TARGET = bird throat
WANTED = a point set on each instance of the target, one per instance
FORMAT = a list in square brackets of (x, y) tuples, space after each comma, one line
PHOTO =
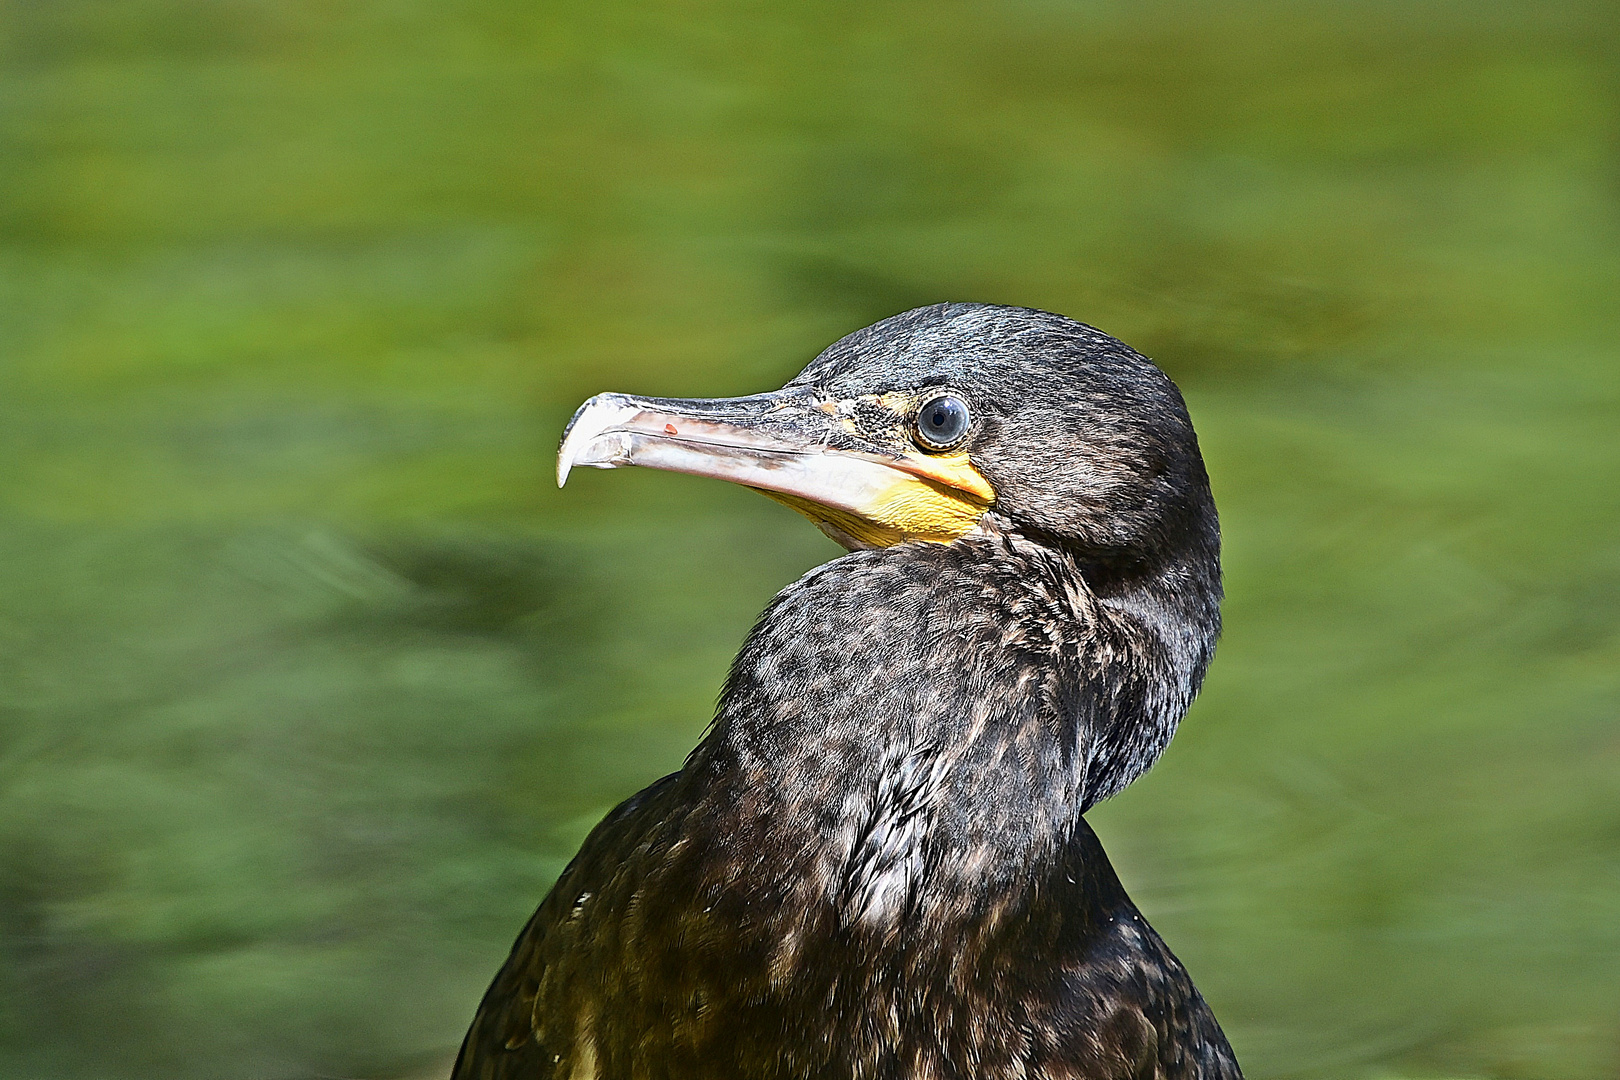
[(914, 509)]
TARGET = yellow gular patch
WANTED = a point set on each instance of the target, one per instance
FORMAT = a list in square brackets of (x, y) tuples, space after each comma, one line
[(953, 471), (913, 508)]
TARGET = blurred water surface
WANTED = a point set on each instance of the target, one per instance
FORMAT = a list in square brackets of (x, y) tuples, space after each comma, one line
[(310, 681)]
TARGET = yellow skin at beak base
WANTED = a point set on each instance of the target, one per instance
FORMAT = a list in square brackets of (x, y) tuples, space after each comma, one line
[(913, 508)]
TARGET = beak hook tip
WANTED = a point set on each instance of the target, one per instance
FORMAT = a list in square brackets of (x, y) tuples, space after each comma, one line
[(598, 416)]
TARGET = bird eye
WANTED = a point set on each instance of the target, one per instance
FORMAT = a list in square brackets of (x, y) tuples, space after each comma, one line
[(943, 422)]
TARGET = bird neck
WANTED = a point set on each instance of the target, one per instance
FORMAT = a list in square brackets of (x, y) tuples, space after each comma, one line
[(1167, 617), (942, 711)]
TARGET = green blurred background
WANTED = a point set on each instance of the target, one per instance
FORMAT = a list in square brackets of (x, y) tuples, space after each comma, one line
[(310, 680)]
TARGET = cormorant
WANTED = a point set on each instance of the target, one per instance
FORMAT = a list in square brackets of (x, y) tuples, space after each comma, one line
[(874, 864)]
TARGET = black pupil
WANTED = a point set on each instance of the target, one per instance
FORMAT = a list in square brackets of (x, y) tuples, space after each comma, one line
[(944, 421)]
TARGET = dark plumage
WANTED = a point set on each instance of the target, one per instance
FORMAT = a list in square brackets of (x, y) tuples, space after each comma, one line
[(874, 865)]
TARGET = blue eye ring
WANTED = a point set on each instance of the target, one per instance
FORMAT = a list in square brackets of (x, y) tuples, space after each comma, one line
[(943, 422)]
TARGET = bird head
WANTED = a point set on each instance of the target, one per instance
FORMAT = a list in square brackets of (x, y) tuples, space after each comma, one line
[(935, 423)]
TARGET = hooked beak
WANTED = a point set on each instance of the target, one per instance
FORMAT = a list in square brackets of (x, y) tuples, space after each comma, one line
[(792, 446)]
